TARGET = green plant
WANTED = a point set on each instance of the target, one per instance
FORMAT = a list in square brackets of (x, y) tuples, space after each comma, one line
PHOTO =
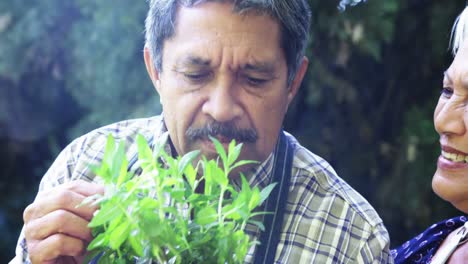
[(172, 213)]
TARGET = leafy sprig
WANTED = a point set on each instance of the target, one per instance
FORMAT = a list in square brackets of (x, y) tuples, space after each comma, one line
[(176, 211)]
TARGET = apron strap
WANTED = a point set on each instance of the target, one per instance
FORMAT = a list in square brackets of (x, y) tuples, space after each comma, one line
[(276, 202)]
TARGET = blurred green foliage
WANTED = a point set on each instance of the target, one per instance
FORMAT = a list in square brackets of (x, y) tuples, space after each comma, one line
[(366, 105)]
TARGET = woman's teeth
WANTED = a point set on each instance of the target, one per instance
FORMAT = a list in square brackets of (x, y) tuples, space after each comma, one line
[(455, 157)]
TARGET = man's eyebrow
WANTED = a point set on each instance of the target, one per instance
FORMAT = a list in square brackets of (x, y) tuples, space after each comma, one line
[(191, 61), (260, 67)]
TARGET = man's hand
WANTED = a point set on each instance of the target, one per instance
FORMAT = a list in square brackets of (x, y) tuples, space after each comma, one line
[(56, 228)]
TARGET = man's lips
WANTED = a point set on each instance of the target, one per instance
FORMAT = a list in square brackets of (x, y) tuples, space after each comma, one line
[(211, 146), (223, 140)]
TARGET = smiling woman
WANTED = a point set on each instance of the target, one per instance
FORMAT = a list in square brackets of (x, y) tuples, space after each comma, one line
[(444, 242), (451, 122)]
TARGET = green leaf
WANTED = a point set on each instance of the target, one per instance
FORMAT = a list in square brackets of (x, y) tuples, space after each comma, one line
[(231, 212), (258, 224), (152, 229), (109, 149), (114, 223), (158, 148), (120, 261), (123, 174), (135, 241), (178, 194), (169, 181), (205, 216), (219, 149), (218, 176), (243, 162), (193, 198), (191, 175), (266, 192), (208, 175), (171, 210), (104, 215), (102, 171), (98, 242), (148, 203), (245, 188), (92, 200), (119, 235), (145, 154), (187, 159), (117, 162), (242, 244), (254, 199), (234, 152), (91, 255)]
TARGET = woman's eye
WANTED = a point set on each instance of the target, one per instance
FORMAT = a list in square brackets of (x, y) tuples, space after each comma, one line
[(446, 92)]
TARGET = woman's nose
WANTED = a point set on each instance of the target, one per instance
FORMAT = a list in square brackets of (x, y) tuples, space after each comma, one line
[(449, 118)]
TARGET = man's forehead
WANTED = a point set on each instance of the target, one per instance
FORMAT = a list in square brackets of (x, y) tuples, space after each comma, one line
[(214, 37)]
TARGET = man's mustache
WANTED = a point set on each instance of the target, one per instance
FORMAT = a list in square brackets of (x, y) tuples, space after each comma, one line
[(225, 129)]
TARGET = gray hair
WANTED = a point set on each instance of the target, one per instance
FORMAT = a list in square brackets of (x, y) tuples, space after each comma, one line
[(343, 3), (459, 31), (293, 17)]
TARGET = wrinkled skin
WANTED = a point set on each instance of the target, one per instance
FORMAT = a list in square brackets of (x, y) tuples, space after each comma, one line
[(450, 180), (224, 67), (56, 229)]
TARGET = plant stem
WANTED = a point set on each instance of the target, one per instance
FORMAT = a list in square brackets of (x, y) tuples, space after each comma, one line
[(220, 206)]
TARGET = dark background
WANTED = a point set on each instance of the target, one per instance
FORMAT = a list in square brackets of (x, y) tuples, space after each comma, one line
[(67, 67)]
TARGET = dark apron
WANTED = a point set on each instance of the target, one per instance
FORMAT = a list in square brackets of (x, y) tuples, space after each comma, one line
[(276, 202)]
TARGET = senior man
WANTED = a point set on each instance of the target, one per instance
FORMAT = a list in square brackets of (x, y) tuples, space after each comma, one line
[(228, 69)]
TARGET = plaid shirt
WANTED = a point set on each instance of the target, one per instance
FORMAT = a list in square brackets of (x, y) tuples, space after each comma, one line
[(326, 221)]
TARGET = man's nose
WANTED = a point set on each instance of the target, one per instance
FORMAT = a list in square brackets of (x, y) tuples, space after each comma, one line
[(450, 119), (223, 103)]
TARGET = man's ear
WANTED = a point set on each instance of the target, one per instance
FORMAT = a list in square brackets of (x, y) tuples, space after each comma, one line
[(150, 68), (296, 83)]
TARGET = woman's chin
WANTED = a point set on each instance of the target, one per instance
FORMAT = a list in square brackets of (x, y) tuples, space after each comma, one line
[(463, 206), (452, 188)]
